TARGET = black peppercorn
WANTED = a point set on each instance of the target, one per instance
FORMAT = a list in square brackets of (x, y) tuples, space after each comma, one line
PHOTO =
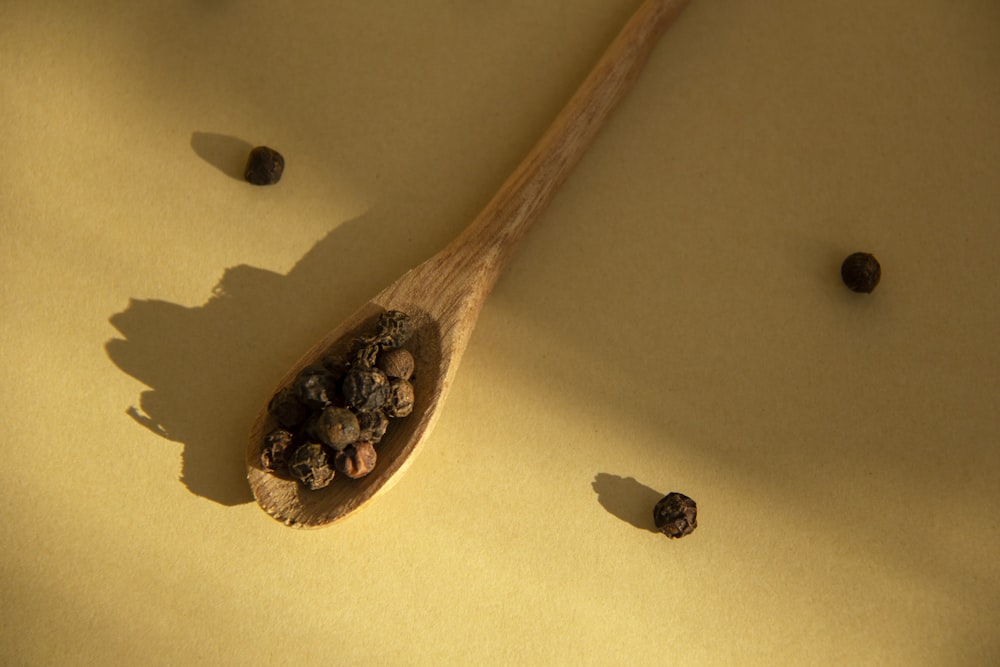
[(393, 328), (336, 427), (287, 409), (400, 402), (366, 388), (337, 367), (315, 386), (310, 465), (396, 363), (373, 425), (861, 272), (356, 460), (277, 446), (264, 166), (675, 515), (364, 352)]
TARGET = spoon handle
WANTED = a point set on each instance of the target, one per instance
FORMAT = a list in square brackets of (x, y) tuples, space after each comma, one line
[(444, 294), (490, 240)]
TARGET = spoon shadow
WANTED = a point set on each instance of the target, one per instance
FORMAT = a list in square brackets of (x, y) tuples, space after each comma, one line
[(627, 499), (209, 368)]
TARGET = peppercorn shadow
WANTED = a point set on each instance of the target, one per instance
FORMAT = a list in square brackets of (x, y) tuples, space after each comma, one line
[(627, 498), (210, 368), (226, 153)]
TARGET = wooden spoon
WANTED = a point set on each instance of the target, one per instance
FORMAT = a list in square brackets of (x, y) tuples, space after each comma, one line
[(445, 294)]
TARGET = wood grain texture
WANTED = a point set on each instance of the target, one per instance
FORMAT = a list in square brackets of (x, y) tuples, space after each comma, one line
[(445, 294)]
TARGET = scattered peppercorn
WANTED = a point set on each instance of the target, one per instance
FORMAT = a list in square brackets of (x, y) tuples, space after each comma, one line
[(310, 465), (675, 515), (861, 272), (264, 166), (332, 414)]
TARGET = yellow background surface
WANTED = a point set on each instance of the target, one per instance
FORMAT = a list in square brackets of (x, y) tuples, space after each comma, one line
[(676, 322)]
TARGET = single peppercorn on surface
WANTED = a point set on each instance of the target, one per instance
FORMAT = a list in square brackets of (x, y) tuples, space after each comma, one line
[(861, 272), (264, 166), (675, 515)]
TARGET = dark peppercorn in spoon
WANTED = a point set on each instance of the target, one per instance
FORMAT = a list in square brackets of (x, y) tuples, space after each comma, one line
[(444, 295)]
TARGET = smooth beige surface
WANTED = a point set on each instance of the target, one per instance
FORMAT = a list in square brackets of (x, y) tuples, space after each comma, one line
[(843, 449)]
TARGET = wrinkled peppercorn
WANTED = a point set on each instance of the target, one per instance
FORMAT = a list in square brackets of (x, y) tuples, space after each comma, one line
[(373, 425), (397, 363), (393, 329), (287, 408), (310, 465), (337, 367), (861, 272), (336, 427), (277, 446), (400, 401), (356, 460), (366, 388), (364, 352), (675, 515), (315, 386), (264, 166)]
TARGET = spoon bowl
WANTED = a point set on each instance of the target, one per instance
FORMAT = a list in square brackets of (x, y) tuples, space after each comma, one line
[(444, 295), (287, 500)]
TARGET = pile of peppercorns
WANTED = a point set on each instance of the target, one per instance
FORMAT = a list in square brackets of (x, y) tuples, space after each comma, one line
[(331, 417)]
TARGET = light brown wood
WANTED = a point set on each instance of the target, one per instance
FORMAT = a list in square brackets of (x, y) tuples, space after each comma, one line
[(445, 294)]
